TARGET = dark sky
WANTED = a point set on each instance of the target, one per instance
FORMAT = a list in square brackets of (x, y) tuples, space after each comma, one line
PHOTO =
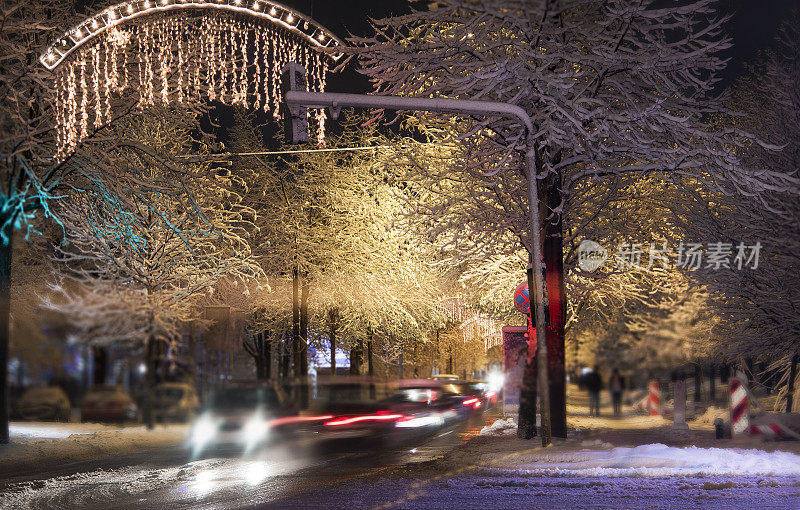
[(753, 27)]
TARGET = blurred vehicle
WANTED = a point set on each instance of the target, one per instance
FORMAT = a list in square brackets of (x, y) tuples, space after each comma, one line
[(242, 416), (44, 403), (445, 377), (108, 403), (471, 396), (355, 413), (486, 388), (174, 401)]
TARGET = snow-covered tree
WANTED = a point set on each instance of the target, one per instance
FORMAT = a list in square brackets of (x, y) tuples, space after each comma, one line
[(611, 87), (332, 222), (136, 271), (757, 297)]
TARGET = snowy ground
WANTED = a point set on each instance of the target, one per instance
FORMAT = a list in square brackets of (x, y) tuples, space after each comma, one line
[(34, 444)]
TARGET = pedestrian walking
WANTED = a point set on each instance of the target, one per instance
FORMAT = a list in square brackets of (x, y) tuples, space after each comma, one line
[(594, 383), (616, 384)]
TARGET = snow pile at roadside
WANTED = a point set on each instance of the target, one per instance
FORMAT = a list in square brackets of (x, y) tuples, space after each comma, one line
[(27, 431), (88, 445), (501, 427), (662, 460)]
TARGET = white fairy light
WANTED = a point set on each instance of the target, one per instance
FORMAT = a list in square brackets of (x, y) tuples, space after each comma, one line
[(255, 6), (321, 37), (78, 34), (289, 18), (273, 12), (94, 24), (130, 9), (146, 4)]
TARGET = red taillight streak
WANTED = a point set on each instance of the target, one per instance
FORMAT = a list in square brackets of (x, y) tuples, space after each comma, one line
[(471, 401), (369, 417), (277, 422)]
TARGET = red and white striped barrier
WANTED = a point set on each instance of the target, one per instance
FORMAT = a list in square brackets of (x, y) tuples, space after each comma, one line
[(740, 416), (652, 402), (654, 398), (772, 431)]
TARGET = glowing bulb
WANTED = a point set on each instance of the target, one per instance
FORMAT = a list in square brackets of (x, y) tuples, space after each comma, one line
[(237, 2), (94, 24), (78, 33), (255, 6), (50, 57), (289, 18), (469, 35), (147, 4), (164, 2), (112, 15), (321, 37), (130, 9), (273, 11)]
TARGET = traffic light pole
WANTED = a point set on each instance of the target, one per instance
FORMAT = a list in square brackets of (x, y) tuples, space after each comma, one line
[(297, 101)]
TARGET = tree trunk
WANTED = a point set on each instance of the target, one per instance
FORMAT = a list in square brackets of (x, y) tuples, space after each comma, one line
[(285, 355), (557, 306), (790, 384), (370, 367), (5, 316), (526, 424), (304, 393), (267, 336), (333, 324), (698, 382), (355, 358), (100, 363), (450, 360), (151, 350), (304, 289), (712, 390), (296, 322)]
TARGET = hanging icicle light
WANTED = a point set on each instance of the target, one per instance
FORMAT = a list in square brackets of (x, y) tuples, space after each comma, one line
[(181, 58)]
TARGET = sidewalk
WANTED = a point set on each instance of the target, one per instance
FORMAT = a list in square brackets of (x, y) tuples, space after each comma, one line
[(43, 443)]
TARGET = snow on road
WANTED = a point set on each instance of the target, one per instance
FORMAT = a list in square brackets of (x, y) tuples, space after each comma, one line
[(662, 460), (206, 482), (26, 431)]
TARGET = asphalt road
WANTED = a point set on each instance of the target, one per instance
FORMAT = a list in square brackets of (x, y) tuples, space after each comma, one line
[(437, 473), (165, 478)]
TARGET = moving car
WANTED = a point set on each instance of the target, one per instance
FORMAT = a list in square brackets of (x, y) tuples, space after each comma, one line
[(108, 403), (242, 416), (44, 403), (174, 401), (470, 397)]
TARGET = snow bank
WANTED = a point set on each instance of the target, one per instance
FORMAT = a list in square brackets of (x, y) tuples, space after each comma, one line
[(662, 460), (501, 427), (73, 442), (26, 431)]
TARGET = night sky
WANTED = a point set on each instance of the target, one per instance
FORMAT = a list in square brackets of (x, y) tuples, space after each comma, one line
[(753, 27)]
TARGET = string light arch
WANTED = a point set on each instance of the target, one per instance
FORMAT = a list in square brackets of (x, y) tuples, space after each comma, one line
[(182, 51)]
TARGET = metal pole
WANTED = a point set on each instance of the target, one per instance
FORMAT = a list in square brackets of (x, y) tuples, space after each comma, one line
[(537, 297)]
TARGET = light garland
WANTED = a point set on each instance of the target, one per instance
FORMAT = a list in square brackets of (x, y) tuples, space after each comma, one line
[(181, 58)]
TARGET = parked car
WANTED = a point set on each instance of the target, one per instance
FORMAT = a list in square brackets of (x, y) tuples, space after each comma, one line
[(108, 403), (174, 401), (44, 403), (445, 377)]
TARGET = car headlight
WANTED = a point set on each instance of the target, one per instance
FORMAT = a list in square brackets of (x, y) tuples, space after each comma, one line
[(254, 430), (203, 431)]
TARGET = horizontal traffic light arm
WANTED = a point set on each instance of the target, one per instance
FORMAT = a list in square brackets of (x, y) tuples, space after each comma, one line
[(336, 101)]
